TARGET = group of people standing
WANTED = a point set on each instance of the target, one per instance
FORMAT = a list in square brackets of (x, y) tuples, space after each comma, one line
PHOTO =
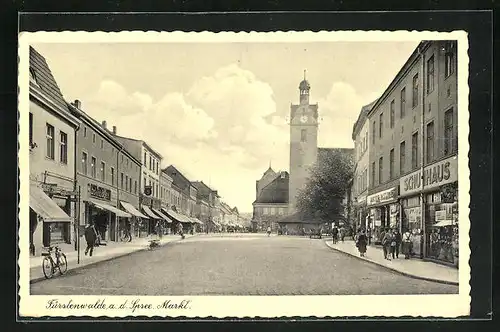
[(392, 242)]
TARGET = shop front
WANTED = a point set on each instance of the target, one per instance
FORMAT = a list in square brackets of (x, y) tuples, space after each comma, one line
[(431, 208), (383, 213), (361, 213), (49, 223), (133, 223)]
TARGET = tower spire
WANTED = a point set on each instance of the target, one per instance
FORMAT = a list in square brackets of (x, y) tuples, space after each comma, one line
[(304, 74)]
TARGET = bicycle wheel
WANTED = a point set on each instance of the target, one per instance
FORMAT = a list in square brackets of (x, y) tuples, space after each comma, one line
[(48, 267), (63, 264)]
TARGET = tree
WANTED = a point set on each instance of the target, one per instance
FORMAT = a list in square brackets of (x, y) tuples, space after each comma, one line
[(327, 186)]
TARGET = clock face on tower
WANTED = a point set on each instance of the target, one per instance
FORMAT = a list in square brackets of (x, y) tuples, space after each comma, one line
[(303, 118)]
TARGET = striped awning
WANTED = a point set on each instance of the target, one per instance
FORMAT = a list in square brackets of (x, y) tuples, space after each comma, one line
[(45, 207), (177, 216), (132, 210), (164, 217), (112, 209), (149, 213)]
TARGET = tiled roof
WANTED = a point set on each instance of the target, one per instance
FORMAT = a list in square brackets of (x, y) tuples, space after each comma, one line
[(362, 116), (276, 191), (45, 79)]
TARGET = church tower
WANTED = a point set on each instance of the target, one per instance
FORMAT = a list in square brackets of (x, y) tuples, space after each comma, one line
[(303, 141)]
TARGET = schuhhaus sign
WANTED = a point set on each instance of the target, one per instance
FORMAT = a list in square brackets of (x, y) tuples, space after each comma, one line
[(435, 175), (100, 192), (383, 196)]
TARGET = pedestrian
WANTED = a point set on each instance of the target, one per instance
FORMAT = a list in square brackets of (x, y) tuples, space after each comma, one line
[(342, 234), (361, 241), (268, 230), (381, 235), (406, 244), (393, 244), (92, 239), (180, 230), (386, 244), (335, 234), (398, 240), (369, 235)]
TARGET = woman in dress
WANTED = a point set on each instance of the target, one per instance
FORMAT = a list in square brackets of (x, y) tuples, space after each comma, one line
[(361, 242)]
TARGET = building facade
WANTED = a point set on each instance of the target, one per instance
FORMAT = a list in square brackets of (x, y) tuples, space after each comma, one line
[(271, 201), (303, 142), (52, 159), (208, 202), (413, 153), (108, 179), (361, 177)]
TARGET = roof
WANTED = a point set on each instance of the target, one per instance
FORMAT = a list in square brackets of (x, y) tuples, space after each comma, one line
[(363, 116), (304, 85), (45, 80), (275, 191), (142, 142), (171, 169)]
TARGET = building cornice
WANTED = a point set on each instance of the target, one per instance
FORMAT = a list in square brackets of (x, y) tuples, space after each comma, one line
[(46, 101)]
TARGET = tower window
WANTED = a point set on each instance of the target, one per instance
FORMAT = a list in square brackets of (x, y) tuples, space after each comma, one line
[(303, 135)]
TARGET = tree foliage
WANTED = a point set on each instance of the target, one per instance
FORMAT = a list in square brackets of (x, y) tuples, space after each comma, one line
[(327, 185)]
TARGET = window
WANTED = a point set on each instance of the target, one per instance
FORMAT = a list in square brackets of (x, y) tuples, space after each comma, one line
[(102, 144), (93, 166), (381, 170), (392, 113), (303, 135), (430, 141), (126, 182), (391, 164), (381, 124), (93, 138), (112, 176), (145, 158), (150, 162), (63, 147), (402, 157), (430, 74), (448, 131), (84, 163), (414, 150), (130, 184), (121, 180), (31, 128), (449, 64), (403, 103), (84, 131), (103, 171), (372, 179), (414, 101), (373, 133), (121, 159), (50, 141)]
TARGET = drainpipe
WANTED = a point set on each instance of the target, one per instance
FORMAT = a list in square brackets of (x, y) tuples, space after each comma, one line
[(76, 221), (117, 191), (422, 156)]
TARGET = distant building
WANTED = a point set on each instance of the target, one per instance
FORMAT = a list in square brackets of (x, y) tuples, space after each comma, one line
[(271, 202)]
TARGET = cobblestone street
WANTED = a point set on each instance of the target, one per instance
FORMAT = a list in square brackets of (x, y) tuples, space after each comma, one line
[(237, 264)]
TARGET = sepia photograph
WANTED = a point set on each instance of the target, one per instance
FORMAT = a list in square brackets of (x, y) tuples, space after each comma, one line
[(165, 170)]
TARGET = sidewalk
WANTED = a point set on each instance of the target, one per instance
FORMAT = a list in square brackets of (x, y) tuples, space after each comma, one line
[(102, 253), (415, 268)]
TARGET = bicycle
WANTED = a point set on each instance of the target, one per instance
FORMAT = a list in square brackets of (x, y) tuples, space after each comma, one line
[(125, 236), (49, 266)]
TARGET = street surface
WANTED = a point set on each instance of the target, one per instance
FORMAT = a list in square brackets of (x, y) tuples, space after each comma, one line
[(237, 264)]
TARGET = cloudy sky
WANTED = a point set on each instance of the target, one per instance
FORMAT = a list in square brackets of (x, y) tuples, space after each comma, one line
[(218, 111)]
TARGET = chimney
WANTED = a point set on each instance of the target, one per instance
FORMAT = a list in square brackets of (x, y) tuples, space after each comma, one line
[(104, 124), (114, 130), (78, 104)]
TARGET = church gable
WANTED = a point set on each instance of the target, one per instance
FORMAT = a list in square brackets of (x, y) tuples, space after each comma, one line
[(276, 191)]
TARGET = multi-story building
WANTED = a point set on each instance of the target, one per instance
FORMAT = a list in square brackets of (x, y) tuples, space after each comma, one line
[(208, 205), (271, 201), (52, 159), (107, 176), (361, 138), (413, 175), (149, 193)]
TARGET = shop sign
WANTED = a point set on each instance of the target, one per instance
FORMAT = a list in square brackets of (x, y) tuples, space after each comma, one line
[(435, 175), (383, 196), (361, 199), (100, 192)]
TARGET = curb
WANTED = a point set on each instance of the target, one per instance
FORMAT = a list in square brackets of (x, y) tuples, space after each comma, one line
[(79, 267), (406, 274)]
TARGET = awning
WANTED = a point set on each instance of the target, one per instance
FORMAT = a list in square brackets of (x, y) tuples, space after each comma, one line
[(112, 209), (150, 213), (164, 217), (443, 223), (132, 210), (177, 216), (45, 207), (196, 220)]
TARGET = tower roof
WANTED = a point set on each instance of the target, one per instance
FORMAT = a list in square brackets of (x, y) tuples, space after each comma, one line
[(304, 85)]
